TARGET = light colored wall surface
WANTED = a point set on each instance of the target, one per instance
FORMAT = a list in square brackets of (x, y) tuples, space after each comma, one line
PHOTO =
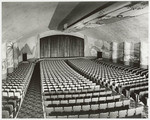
[(93, 45), (4, 61), (32, 43), (144, 52), (10, 57)]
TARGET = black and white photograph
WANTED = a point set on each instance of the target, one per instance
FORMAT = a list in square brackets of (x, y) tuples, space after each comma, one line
[(75, 59)]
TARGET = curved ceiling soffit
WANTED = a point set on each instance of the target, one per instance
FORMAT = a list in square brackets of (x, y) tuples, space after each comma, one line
[(113, 13), (62, 11), (81, 10), (51, 33), (130, 30), (54, 32)]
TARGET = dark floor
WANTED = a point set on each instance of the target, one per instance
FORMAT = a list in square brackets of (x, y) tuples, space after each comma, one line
[(32, 103)]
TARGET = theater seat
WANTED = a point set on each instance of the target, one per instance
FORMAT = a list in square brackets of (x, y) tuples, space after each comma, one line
[(59, 109), (13, 102), (119, 104), (103, 106), (139, 110), (72, 116), (84, 116), (5, 94), (131, 112), (87, 100), (102, 99), (77, 108), (113, 114), (126, 102), (63, 116), (46, 103), (122, 113), (57, 102), (72, 101), (49, 110), (64, 102), (68, 109), (86, 107), (111, 105), (94, 116), (104, 115), (79, 100), (51, 116), (5, 114)]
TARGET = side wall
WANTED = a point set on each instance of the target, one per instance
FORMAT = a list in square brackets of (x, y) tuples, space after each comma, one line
[(93, 45), (128, 53), (4, 61), (33, 43)]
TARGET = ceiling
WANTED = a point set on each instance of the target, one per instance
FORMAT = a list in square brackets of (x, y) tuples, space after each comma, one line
[(99, 20), (24, 19), (130, 30)]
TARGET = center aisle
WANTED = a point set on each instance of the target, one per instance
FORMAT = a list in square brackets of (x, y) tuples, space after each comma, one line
[(32, 103)]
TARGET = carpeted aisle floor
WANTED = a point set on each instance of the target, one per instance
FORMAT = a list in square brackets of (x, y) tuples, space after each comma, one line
[(32, 103)]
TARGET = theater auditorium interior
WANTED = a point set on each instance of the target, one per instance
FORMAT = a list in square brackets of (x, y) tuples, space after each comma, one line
[(75, 59)]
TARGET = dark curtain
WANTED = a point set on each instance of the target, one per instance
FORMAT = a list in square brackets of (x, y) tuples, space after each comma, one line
[(61, 46)]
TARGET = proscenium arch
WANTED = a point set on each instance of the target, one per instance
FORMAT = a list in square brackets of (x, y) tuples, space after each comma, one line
[(54, 32), (61, 46)]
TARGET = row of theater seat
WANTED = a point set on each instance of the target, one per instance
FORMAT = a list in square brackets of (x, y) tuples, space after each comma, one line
[(129, 113), (112, 102), (69, 113), (14, 89), (78, 95), (78, 90), (95, 71), (58, 76), (109, 75), (136, 70), (90, 105), (131, 86), (77, 102), (10, 106)]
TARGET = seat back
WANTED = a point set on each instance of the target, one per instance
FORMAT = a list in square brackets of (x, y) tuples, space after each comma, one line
[(103, 106), (104, 115), (131, 112), (139, 110), (94, 116), (113, 114), (5, 114), (122, 113)]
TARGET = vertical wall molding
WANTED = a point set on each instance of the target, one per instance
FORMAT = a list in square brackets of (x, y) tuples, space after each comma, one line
[(38, 45), (144, 55), (114, 52), (4, 61), (127, 53)]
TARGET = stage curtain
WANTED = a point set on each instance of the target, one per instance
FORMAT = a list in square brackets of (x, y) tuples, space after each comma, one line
[(61, 46)]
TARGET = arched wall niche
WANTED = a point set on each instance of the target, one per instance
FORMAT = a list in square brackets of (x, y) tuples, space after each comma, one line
[(94, 50)]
